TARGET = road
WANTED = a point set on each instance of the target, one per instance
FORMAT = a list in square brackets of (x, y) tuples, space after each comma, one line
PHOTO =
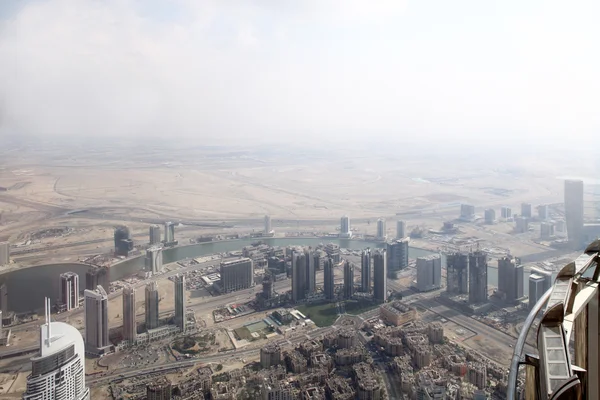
[(471, 324)]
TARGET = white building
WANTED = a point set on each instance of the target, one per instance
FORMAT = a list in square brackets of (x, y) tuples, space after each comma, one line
[(268, 227), (381, 230), (429, 272), (58, 372), (154, 260), (68, 291), (345, 231), (96, 320)]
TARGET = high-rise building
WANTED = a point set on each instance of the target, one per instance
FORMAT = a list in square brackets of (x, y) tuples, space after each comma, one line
[(506, 213), (154, 234), (574, 212), (543, 213), (4, 299), (152, 300), (381, 229), (539, 282), (180, 317), (521, 224), (397, 253), (400, 229), (380, 275), (510, 279), (489, 216), (268, 228), (329, 278), (526, 210), (467, 211), (159, 390), (457, 273), (129, 322), (237, 275), (365, 271), (96, 320), (97, 276), (348, 279), (170, 233), (58, 371), (478, 292), (68, 291), (311, 277), (546, 230), (154, 260), (4, 253), (123, 241), (299, 276), (429, 272), (345, 230)]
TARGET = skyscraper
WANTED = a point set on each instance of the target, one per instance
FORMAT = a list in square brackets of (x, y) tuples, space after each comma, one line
[(68, 291), (4, 253), (543, 213), (348, 279), (311, 285), (536, 288), (400, 230), (268, 228), (180, 317), (96, 320), (478, 277), (237, 275), (510, 279), (4, 299), (429, 272), (299, 276), (397, 253), (457, 273), (365, 271), (154, 260), (328, 278), (129, 322), (526, 210), (97, 276), (380, 275), (345, 230), (489, 216), (58, 371), (381, 230), (574, 212), (505, 213), (154, 234), (170, 233), (123, 241), (151, 305)]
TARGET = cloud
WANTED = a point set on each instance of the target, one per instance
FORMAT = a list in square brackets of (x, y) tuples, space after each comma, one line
[(303, 71)]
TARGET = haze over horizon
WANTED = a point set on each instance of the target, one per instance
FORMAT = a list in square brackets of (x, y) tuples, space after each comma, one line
[(504, 73)]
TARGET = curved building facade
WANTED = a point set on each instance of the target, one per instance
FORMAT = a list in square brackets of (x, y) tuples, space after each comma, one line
[(58, 372)]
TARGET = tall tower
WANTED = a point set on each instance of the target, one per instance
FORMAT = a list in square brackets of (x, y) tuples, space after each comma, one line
[(169, 233), (4, 299), (311, 277), (154, 234), (328, 278), (4, 253), (457, 273), (400, 229), (574, 212), (154, 259), (380, 275), (129, 323), (345, 230), (58, 371), (365, 271), (268, 228), (381, 229), (429, 272), (151, 303), (478, 277), (299, 284), (510, 279), (348, 279), (526, 210), (96, 320), (397, 253), (68, 291), (180, 318)]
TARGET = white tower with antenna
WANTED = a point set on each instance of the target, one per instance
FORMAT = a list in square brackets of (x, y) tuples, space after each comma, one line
[(58, 371)]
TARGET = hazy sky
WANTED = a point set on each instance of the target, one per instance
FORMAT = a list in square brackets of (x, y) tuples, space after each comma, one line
[(507, 71)]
